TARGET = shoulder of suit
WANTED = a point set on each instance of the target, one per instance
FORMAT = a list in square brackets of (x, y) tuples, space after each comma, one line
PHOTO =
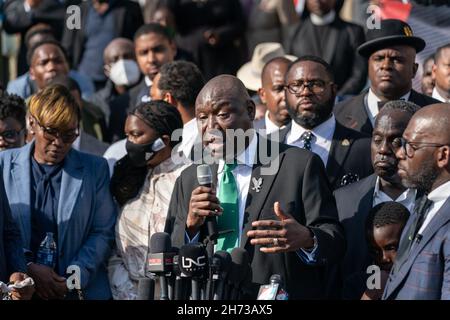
[(354, 188), (89, 159), (350, 102), (348, 133)]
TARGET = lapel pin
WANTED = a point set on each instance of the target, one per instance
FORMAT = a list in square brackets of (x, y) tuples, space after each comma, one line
[(257, 183), (345, 143)]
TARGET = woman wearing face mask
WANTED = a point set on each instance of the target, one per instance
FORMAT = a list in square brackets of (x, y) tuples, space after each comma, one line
[(142, 184)]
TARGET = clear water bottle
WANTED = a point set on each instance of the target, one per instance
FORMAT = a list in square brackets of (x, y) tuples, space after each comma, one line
[(47, 252)]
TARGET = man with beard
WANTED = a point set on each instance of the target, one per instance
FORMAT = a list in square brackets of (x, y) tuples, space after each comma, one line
[(422, 268), (293, 233), (310, 95), (272, 95), (355, 201), (391, 52)]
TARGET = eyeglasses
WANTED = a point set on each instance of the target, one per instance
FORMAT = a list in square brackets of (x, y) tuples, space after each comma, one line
[(410, 147), (10, 136), (316, 86), (53, 134)]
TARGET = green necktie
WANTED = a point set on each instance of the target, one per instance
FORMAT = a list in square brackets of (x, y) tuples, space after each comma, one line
[(229, 220)]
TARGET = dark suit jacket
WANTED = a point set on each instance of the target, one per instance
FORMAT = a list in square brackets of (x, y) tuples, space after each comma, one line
[(91, 145), (128, 18), (425, 274), (349, 153), (305, 190), (352, 113), (11, 252), (349, 68)]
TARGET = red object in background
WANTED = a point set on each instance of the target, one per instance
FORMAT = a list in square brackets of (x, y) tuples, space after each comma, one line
[(395, 9)]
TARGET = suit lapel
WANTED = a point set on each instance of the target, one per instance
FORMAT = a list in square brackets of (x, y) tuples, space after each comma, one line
[(71, 181), (255, 198), (21, 173), (340, 147)]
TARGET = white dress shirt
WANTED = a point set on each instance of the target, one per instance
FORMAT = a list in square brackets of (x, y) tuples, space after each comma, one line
[(270, 126), (324, 20), (438, 96), (190, 136), (372, 104), (407, 198), (438, 196), (323, 137)]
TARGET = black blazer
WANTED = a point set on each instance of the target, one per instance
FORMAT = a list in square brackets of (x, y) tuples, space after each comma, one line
[(352, 113), (349, 154), (128, 17), (299, 184), (349, 68)]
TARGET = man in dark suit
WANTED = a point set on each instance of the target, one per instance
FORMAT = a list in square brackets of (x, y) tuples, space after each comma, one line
[(304, 236), (324, 34), (391, 51), (310, 95), (101, 21), (355, 201), (421, 270)]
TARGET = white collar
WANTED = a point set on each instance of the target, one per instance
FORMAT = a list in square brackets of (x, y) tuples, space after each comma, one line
[(405, 194), (323, 132), (372, 102), (324, 20), (270, 126), (438, 96), (440, 193), (148, 82), (247, 157)]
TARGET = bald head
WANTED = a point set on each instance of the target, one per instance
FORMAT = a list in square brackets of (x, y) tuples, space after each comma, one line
[(432, 122), (223, 86), (278, 64), (120, 48)]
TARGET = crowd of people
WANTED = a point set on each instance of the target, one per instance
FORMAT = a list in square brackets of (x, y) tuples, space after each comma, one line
[(325, 162)]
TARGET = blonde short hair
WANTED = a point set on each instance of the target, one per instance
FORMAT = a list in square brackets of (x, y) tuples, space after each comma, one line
[(55, 107)]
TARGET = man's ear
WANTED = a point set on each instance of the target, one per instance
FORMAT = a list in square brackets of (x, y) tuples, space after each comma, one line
[(262, 95), (251, 109), (415, 68), (168, 97), (433, 72), (443, 157)]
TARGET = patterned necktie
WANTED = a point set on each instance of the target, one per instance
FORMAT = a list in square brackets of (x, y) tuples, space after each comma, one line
[(307, 137), (229, 220), (421, 209)]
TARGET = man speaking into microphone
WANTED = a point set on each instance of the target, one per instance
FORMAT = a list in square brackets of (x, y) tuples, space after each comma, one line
[(295, 238)]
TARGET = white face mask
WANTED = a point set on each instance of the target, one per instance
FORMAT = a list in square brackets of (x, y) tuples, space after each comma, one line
[(124, 72)]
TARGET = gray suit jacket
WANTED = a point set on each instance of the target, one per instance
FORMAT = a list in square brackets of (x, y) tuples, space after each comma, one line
[(90, 144), (425, 274)]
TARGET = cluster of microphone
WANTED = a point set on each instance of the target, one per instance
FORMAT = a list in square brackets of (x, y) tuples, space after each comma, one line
[(188, 273)]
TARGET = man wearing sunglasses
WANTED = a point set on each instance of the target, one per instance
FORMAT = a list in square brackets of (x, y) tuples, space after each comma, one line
[(12, 121), (51, 187), (422, 268)]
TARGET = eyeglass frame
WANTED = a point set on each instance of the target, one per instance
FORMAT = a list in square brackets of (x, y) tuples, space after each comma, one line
[(405, 143), (309, 86), (51, 137), (11, 130)]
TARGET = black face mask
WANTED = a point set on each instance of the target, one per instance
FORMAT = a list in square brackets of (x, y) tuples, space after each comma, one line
[(140, 154)]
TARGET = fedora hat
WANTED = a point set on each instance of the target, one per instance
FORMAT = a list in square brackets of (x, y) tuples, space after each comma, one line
[(250, 73), (392, 32)]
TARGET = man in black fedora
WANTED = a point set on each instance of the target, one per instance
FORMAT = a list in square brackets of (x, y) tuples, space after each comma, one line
[(391, 52)]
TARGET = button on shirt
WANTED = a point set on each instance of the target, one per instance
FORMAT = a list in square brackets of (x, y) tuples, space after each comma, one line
[(407, 198), (323, 137), (372, 104), (438, 196)]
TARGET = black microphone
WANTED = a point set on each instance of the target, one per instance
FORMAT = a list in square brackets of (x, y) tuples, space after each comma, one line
[(221, 263), (172, 277), (146, 289), (274, 290), (160, 260), (239, 271), (193, 262), (204, 177)]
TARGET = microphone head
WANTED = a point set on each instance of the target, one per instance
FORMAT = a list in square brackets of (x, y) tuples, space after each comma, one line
[(204, 175), (193, 260), (276, 278), (239, 266), (160, 242), (223, 259)]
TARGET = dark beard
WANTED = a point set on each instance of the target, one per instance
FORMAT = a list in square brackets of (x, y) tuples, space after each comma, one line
[(312, 120), (424, 179)]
